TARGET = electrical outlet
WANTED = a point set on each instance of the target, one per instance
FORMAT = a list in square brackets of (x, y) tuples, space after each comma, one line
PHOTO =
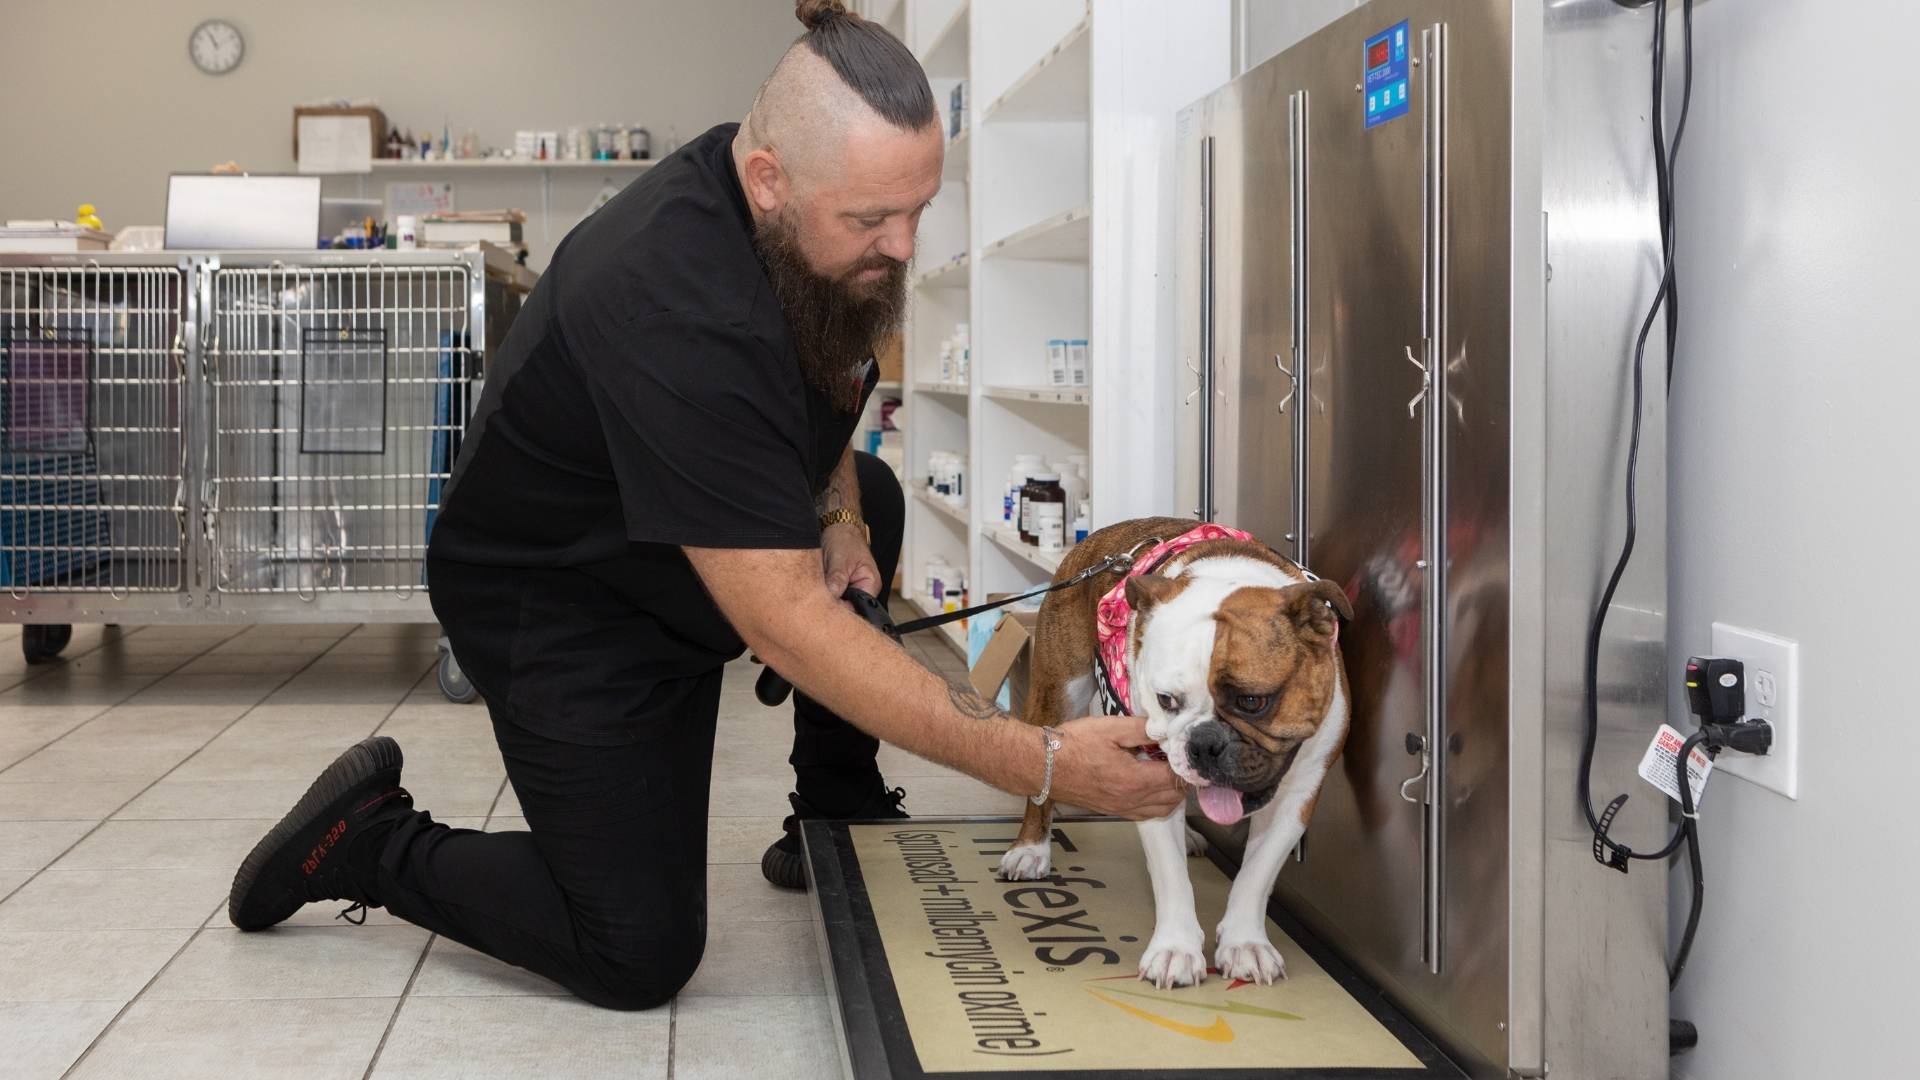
[(1773, 695)]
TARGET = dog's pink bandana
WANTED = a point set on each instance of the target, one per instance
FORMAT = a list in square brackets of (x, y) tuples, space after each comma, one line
[(1116, 615)]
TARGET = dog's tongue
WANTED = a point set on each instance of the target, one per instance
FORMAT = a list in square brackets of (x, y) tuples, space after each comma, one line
[(1221, 804)]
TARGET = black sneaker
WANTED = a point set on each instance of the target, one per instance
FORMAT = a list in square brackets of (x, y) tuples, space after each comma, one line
[(785, 864), (305, 857)]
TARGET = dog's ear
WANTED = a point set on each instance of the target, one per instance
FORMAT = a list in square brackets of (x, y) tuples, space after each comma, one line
[(1146, 590), (1308, 606)]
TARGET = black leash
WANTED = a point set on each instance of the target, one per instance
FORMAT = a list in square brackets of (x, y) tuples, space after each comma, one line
[(772, 688), (1121, 561)]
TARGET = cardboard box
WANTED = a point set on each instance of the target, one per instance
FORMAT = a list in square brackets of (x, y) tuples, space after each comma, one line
[(376, 123), (890, 357), (1007, 660)]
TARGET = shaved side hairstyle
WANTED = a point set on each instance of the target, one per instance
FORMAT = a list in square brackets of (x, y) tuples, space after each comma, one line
[(877, 65)]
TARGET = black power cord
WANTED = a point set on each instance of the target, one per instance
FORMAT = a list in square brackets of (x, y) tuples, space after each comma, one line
[(1608, 851)]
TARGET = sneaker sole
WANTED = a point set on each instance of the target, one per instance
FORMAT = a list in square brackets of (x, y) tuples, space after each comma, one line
[(354, 767), (784, 868)]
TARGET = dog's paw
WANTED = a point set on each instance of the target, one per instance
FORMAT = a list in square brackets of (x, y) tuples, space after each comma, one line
[(1253, 959), (1174, 960), (1196, 844), (1027, 862)]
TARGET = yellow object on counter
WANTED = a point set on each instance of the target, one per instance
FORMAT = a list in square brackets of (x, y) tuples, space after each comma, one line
[(87, 218)]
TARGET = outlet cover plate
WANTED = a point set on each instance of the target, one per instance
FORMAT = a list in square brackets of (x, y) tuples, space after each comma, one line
[(1773, 695)]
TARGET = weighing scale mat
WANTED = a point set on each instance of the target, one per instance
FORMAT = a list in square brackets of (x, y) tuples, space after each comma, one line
[(939, 969)]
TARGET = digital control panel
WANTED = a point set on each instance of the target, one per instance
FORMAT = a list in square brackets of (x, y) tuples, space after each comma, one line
[(1385, 85)]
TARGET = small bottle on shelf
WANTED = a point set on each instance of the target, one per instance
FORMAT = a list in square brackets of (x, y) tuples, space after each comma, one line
[(1043, 489), (1016, 480)]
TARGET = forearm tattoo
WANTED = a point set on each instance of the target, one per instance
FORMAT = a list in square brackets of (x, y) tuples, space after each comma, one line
[(972, 705), (843, 489)]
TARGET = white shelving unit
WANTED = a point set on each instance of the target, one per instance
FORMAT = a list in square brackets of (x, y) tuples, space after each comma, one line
[(491, 168), (1057, 204)]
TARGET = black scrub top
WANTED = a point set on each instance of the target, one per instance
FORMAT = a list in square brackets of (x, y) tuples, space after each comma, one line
[(647, 398)]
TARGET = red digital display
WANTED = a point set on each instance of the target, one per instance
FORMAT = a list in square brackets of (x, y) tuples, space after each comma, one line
[(1377, 55)]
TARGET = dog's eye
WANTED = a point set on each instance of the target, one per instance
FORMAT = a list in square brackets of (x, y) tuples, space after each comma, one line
[(1170, 702), (1251, 703)]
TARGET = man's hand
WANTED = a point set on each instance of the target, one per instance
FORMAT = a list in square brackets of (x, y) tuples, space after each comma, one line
[(847, 561), (1095, 768)]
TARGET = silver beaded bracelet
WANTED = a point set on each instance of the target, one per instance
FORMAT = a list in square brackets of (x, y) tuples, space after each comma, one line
[(1050, 739)]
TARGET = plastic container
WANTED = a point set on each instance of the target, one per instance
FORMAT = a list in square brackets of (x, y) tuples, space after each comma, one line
[(1023, 466), (1077, 362), (1082, 521), (405, 233), (1057, 362), (1043, 490), (934, 580), (1072, 482), (1049, 525)]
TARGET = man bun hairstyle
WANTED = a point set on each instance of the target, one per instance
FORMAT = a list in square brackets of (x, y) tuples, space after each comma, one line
[(874, 63)]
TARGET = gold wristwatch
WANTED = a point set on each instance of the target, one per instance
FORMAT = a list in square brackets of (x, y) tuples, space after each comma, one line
[(845, 516)]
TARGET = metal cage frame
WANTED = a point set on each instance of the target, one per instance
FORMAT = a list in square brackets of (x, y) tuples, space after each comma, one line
[(302, 561)]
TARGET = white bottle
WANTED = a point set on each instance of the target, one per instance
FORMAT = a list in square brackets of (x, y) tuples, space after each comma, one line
[(1049, 525), (1016, 479), (1082, 521), (1077, 362), (957, 479), (1071, 481), (1078, 462), (936, 575), (954, 596)]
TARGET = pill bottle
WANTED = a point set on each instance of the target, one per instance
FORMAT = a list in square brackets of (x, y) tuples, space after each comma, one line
[(1057, 362), (1046, 508), (1016, 480), (1082, 521)]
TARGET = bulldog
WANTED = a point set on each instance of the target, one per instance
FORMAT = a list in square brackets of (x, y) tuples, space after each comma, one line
[(1231, 652)]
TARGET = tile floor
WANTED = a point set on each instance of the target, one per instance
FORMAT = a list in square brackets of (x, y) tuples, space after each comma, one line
[(139, 769)]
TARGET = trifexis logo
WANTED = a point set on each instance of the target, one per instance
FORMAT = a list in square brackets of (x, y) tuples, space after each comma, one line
[(996, 943), (1220, 1031)]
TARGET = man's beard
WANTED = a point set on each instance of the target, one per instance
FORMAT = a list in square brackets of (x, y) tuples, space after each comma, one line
[(836, 322)]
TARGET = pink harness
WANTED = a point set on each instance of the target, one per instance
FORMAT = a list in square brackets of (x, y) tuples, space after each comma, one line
[(1116, 614)]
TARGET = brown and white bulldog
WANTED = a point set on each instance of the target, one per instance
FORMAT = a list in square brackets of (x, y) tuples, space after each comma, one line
[(1231, 652)]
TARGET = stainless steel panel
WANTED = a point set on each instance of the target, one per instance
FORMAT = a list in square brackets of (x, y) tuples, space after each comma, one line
[(1253, 413), (1419, 546), (1365, 506), (1475, 532), (1605, 933), (1472, 359), (1193, 267)]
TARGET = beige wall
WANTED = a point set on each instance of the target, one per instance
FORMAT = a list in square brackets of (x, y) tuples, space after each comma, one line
[(102, 101)]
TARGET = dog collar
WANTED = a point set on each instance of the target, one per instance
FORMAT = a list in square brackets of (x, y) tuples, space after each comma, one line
[(1115, 614), (1114, 619)]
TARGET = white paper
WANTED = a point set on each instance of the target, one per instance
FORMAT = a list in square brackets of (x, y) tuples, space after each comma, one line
[(419, 199), (336, 144)]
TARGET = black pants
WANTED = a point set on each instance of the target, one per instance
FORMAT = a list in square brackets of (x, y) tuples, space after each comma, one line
[(605, 893)]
